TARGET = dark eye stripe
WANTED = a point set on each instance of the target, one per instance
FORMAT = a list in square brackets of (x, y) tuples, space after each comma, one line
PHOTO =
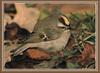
[(62, 20)]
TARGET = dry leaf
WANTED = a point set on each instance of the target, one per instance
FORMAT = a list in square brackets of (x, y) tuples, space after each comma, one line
[(37, 54), (26, 17), (87, 52)]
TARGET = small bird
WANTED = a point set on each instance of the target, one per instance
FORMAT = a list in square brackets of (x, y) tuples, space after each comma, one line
[(56, 45)]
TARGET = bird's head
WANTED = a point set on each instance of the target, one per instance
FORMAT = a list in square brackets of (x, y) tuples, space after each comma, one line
[(63, 22)]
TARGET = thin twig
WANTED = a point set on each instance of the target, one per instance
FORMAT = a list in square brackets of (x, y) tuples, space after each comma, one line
[(84, 39)]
